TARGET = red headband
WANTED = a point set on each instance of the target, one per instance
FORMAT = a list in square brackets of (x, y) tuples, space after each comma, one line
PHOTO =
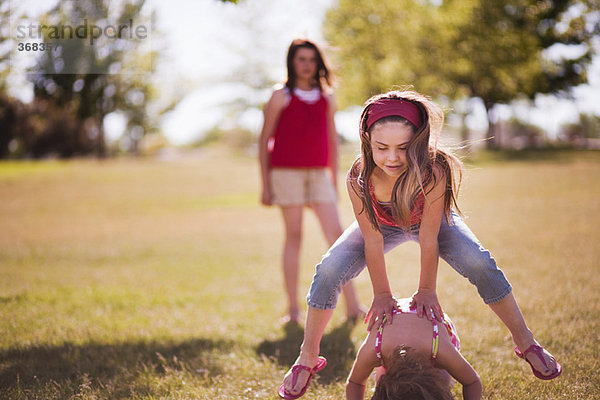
[(387, 107)]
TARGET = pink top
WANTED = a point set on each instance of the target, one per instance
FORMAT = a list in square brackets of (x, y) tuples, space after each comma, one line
[(301, 138), (383, 210)]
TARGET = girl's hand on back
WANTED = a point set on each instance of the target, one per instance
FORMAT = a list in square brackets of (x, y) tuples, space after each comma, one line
[(425, 301), (382, 305)]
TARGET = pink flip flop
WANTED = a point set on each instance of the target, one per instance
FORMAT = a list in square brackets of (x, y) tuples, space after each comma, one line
[(321, 363), (538, 350)]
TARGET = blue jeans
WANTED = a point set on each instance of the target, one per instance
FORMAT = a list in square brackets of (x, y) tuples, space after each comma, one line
[(458, 246)]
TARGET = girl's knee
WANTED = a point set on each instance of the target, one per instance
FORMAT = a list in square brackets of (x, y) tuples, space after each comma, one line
[(293, 235), (324, 291), (480, 271), (490, 282), (327, 284), (327, 278)]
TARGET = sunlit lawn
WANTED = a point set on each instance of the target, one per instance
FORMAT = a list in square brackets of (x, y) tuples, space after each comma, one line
[(157, 279)]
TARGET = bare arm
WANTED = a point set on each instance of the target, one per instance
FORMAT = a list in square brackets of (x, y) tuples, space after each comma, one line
[(355, 391), (365, 362), (425, 299), (383, 301), (452, 361), (472, 391), (272, 110), (333, 137)]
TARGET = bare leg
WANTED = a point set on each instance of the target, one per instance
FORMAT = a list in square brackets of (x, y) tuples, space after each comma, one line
[(327, 214), (354, 311), (292, 216), (316, 322), (508, 311)]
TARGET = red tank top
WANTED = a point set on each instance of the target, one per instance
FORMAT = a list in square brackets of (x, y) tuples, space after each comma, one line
[(300, 139), (383, 210)]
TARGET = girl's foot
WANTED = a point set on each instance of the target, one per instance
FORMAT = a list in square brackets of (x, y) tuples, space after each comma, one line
[(301, 377), (288, 319), (293, 317), (543, 363)]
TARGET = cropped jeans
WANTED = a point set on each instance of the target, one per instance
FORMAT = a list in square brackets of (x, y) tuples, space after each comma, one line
[(458, 246)]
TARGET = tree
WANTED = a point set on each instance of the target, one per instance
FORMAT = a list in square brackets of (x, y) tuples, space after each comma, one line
[(4, 50), (86, 81), (13, 113), (584, 133), (378, 45), (500, 50), (495, 50)]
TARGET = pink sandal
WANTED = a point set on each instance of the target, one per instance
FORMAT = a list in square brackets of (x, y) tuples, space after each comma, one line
[(538, 350), (284, 394)]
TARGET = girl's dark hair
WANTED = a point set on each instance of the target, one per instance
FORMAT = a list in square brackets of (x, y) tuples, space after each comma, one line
[(423, 154), (322, 75), (411, 377)]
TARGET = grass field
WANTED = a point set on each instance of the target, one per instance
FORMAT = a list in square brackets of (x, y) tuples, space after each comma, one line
[(149, 279)]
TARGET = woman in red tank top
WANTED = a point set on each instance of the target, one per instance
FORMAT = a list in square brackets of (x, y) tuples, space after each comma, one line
[(298, 160)]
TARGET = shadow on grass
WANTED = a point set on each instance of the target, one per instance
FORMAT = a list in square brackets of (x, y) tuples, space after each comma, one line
[(21, 369), (10, 299), (336, 346)]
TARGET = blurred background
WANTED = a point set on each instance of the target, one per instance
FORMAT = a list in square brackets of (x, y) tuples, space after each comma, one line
[(520, 74), (142, 267)]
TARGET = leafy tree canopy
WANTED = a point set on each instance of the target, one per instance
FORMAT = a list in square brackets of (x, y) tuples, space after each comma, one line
[(495, 50)]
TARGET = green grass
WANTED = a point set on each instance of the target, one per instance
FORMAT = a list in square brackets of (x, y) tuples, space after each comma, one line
[(148, 279)]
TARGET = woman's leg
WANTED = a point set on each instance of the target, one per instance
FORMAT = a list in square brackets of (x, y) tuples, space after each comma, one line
[(328, 216), (462, 250), (292, 217)]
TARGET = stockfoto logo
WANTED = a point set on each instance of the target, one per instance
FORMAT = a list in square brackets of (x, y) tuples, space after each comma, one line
[(68, 41), (91, 32)]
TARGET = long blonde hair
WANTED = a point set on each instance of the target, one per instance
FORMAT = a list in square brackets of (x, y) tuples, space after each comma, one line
[(423, 153)]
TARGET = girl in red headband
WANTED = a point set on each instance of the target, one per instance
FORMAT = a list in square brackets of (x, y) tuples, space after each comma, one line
[(298, 159), (404, 187)]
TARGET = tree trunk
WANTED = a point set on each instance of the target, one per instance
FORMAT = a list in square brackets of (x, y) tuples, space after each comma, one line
[(493, 132), (101, 144), (465, 134)]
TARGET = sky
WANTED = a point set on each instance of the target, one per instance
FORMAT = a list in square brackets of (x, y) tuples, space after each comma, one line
[(206, 43)]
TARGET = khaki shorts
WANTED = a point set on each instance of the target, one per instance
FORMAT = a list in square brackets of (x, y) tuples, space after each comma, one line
[(301, 186)]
